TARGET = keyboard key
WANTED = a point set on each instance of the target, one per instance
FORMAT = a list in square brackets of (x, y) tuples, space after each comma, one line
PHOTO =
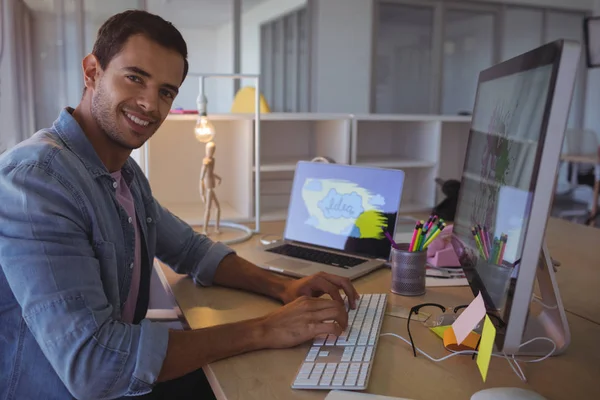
[(312, 354), (320, 340), (368, 353), (331, 339), (347, 355), (362, 377)]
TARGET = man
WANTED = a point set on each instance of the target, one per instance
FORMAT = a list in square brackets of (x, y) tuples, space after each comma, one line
[(79, 229)]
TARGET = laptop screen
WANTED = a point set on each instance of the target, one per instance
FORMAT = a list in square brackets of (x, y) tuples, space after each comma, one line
[(344, 207)]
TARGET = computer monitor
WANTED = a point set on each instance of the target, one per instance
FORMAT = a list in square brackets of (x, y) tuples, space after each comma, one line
[(517, 130)]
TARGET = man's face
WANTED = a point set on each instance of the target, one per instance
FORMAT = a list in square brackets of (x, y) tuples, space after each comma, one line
[(134, 94)]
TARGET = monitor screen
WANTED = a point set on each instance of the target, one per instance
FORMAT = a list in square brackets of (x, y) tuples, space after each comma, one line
[(344, 207), (500, 171)]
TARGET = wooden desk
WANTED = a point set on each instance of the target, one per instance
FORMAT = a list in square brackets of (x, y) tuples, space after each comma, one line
[(268, 374)]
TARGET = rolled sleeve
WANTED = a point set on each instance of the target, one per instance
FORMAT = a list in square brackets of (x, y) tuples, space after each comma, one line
[(186, 251), (154, 336), (54, 272)]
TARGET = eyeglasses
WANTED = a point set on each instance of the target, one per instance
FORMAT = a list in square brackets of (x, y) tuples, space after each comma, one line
[(445, 319)]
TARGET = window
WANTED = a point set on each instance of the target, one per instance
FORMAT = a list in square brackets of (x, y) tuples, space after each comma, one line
[(403, 72), (522, 31), (468, 48), (285, 62), (428, 54), (565, 25)]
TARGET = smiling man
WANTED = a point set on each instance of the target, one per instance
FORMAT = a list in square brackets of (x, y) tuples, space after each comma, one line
[(79, 229)]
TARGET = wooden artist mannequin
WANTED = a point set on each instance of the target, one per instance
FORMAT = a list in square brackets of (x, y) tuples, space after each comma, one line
[(208, 184)]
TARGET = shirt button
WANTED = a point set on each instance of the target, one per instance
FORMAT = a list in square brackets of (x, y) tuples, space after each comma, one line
[(131, 266), (115, 185), (148, 220), (129, 219)]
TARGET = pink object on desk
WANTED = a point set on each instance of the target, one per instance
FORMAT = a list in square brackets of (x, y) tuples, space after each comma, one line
[(440, 252)]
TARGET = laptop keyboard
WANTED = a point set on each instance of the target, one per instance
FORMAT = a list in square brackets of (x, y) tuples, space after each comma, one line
[(323, 257)]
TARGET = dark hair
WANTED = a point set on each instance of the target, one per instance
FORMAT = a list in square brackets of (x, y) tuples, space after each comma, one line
[(113, 34)]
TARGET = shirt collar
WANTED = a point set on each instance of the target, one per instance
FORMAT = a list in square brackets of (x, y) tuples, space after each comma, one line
[(72, 135)]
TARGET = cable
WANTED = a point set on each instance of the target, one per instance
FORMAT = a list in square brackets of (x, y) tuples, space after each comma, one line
[(265, 242), (538, 300), (515, 367), (427, 355)]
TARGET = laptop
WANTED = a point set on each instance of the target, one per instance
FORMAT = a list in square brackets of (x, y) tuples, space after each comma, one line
[(336, 221)]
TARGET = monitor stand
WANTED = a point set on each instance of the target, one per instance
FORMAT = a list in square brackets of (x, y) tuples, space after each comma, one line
[(547, 320)]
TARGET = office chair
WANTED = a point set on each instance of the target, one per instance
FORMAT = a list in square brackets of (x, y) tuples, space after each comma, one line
[(573, 201), (162, 306)]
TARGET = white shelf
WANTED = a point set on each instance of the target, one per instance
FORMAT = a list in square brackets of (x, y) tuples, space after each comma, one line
[(394, 162), (423, 146), (282, 167), (284, 142), (278, 164), (411, 118)]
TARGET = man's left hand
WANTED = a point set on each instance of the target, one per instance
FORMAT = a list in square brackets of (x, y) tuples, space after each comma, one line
[(319, 284)]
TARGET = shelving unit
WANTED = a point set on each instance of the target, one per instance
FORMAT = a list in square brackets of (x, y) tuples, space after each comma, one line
[(289, 138), (423, 146)]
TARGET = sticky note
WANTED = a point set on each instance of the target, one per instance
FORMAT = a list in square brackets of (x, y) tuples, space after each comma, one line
[(470, 343), (469, 319), (485, 347), (439, 330)]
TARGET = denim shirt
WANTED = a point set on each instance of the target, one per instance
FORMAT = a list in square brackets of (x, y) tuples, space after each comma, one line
[(66, 248)]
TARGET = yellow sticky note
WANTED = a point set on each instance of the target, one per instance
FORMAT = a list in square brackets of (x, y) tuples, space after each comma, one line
[(485, 346), (439, 330)]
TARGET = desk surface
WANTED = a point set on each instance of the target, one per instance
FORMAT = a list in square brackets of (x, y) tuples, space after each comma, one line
[(395, 371)]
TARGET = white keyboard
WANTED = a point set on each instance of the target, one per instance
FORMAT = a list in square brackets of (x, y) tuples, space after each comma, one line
[(344, 362)]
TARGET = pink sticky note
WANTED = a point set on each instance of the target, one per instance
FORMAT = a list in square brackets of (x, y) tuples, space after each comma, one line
[(469, 319)]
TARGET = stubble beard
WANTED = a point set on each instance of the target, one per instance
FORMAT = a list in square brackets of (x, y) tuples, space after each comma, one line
[(106, 120)]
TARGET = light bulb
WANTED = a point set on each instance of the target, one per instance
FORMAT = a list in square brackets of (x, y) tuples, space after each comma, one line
[(204, 130)]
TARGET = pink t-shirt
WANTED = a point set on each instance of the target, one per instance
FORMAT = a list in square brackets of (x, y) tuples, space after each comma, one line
[(126, 200)]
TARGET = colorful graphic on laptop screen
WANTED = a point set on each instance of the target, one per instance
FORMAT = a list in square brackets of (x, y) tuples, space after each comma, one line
[(345, 208)]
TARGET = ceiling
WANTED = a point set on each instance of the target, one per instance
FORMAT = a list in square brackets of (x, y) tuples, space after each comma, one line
[(185, 14)]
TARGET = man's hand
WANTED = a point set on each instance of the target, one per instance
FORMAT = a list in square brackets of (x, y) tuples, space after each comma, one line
[(319, 284), (302, 320)]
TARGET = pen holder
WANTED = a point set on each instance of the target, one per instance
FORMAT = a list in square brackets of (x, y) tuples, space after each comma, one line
[(408, 271)]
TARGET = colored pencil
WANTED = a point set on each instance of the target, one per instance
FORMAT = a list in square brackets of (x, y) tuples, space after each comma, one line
[(411, 247), (435, 235), (503, 239), (479, 246)]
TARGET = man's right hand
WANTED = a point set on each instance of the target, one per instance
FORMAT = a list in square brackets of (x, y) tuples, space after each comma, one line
[(302, 320)]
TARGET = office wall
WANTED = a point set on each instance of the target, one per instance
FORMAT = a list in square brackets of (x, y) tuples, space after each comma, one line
[(203, 48), (342, 29), (251, 21), (341, 48), (569, 4), (220, 90)]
